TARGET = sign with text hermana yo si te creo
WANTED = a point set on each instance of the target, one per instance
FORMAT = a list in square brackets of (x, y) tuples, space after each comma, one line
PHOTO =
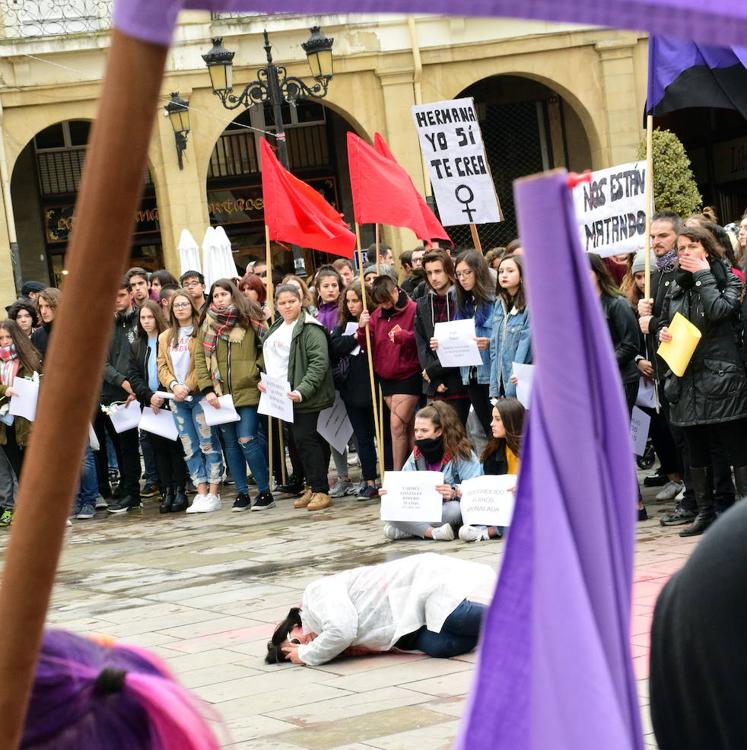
[(451, 141), (611, 210)]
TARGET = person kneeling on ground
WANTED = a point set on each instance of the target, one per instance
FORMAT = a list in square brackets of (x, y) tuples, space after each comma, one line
[(430, 603), (441, 444)]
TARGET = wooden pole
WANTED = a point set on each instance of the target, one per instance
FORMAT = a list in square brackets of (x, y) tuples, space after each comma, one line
[(378, 250), (475, 237), (649, 194), (119, 145), (372, 382)]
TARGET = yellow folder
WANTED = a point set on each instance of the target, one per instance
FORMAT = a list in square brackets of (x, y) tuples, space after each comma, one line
[(678, 352)]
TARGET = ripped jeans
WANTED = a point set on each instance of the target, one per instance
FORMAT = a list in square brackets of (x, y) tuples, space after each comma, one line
[(201, 445), (245, 446)]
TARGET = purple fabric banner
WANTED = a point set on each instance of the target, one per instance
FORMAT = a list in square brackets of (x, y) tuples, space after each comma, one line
[(555, 668), (718, 22)]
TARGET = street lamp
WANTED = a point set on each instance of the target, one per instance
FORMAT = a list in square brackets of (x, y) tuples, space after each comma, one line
[(178, 112), (272, 86)]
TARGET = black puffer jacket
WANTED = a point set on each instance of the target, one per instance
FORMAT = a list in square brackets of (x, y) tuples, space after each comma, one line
[(714, 386)]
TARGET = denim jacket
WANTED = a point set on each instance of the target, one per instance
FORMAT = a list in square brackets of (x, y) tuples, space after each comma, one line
[(481, 331), (510, 342), (455, 470)]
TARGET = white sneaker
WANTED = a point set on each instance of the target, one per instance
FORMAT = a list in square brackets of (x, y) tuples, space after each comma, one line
[(443, 533), (393, 533), (474, 533), (212, 503), (198, 504), (670, 490)]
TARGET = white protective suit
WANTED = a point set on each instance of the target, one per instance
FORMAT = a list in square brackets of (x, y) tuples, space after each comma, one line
[(376, 605)]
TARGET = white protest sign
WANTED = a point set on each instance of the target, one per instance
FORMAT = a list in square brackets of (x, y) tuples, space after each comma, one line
[(525, 376), (169, 396), (412, 496), (456, 343), (224, 414), (24, 403), (488, 500), (639, 424), (351, 328), (274, 402), (451, 142), (646, 393), (161, 424), (611, 210), (334, 426), (125, 417)]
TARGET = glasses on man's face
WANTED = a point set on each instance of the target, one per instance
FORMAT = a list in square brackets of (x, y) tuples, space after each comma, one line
[(190, 284), (181, 305)]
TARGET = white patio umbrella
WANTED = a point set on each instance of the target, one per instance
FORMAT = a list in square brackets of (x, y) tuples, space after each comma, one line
[(210, 257), (189, 253), (225, 255)]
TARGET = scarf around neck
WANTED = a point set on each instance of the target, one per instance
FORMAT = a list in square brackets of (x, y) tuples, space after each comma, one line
[(220, 323), (665, 263)]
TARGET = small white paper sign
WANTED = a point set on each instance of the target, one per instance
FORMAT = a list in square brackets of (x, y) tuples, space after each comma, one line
[(351, 329), (488, 500), (525, 376), (274, 402), (456, 343), (162, 424), (646, 393), (639, 424), (334, 426), (168, 396), (412, 496), (24, 404), (125, 417), (223, 415)]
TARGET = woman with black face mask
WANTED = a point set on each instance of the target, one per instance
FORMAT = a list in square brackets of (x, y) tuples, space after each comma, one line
[(441, 444)]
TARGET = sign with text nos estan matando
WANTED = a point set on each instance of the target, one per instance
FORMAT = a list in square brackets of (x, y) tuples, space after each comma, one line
[(611, 210), (451, 142)]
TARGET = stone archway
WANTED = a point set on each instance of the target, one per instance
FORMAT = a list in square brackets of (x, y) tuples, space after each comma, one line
[(527, 127), (44, 186), (316, 138)]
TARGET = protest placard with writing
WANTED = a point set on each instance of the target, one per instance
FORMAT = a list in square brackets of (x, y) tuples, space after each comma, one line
[(611, 210), (451, 142), (24, 403), (456, 343), (412, 496), (334, 426), (488, 500), (639, 424), (274, 402)]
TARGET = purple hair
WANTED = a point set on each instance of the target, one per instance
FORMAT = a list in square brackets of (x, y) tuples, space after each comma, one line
[(88, 696)]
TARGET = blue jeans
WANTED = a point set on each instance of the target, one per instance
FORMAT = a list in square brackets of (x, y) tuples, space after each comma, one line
[(459, 633), (245, 446), (88, 489), (201, 445)]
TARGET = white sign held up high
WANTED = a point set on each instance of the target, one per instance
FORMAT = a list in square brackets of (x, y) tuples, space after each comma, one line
[(611, 210), (451, 142)]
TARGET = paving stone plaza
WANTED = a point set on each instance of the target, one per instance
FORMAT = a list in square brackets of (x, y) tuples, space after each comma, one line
[(204, 593)]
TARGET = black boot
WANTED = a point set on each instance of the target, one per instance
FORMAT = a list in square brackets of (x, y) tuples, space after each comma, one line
[(180, 500), (740, 480), (294, 487), (167, 503), (703, 491)]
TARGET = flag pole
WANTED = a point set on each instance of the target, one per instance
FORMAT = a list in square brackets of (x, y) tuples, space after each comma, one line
[(475, 237), (377, 424), (271, 297), (378, 249), (51, 472), (649, 194)]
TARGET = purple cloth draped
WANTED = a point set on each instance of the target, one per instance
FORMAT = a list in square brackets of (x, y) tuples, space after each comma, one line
[(722, 22), (555, 669), (687, 74)]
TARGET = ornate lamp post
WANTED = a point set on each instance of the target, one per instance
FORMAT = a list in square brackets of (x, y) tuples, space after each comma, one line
[(273, 86), (178, 111)]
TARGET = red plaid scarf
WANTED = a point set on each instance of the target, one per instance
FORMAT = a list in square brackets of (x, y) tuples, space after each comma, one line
[(220, 323)]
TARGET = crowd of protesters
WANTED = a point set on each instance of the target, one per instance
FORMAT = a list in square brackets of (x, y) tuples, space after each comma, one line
[(179, 346)]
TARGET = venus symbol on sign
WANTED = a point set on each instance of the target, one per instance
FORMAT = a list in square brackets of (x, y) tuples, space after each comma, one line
[(466, 201)]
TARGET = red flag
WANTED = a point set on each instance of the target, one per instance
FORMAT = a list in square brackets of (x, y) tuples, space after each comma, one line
[(296, 213), (384, 193)]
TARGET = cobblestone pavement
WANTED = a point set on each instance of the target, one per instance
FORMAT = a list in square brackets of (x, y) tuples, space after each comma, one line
[(204, 591)]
